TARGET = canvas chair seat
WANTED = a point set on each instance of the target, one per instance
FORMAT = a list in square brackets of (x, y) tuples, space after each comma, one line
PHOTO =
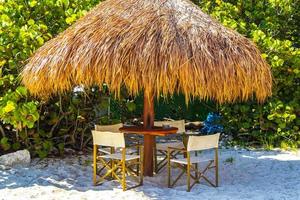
[(105, 150), (193, 160), (164, 146), (118, 156)]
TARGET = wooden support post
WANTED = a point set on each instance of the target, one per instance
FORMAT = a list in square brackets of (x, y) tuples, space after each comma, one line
[(149, 140), (148, 115), (148, 154)]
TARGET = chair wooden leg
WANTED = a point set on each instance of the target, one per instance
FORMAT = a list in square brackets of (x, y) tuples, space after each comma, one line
[(188, 172), (196, 173), (196, 169), (155, 160), (112, 150), (141, 173), (216, 167), (169, 169), (123, 170), (95, 164), (138, 149)]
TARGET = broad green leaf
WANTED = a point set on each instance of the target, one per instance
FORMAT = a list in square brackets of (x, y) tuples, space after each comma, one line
[(10, 106)]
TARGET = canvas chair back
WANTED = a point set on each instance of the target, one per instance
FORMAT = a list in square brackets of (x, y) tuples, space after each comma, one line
[(110, 139), (197, 143), (110, 128), (177, 123)]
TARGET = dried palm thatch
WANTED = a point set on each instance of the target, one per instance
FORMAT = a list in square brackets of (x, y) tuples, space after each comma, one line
[(159, 46)]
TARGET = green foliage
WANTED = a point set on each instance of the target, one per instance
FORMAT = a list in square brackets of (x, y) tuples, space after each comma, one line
[(274, 26), (17, 111), (24, 27), (173, 108), (4, 143), (66, 120)]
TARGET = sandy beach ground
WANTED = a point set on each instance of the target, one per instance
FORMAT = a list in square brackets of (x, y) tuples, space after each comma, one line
[(259, 175)]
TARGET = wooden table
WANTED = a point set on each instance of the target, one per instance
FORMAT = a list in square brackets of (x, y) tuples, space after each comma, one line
[(149, 142)]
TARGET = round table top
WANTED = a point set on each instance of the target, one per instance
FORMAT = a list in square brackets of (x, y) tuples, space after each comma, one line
[(156, 130)]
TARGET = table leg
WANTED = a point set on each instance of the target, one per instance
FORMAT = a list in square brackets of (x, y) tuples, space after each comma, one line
[(149, 141)]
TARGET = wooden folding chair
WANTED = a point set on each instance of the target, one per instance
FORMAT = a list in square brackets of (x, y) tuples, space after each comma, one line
[(110, 128), (190, 164), (117, 165), (115, 129), (161, 149)]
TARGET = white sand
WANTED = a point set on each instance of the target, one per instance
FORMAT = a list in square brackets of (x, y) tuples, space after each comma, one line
[(252, 175)]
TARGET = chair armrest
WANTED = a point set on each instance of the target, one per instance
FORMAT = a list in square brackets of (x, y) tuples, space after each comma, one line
[(104, 151), (176, 149)]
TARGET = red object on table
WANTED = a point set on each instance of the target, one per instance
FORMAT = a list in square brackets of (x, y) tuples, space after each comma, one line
[(149, 142)]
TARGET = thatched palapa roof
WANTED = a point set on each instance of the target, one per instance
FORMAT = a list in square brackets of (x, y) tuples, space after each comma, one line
[(162, 46)]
